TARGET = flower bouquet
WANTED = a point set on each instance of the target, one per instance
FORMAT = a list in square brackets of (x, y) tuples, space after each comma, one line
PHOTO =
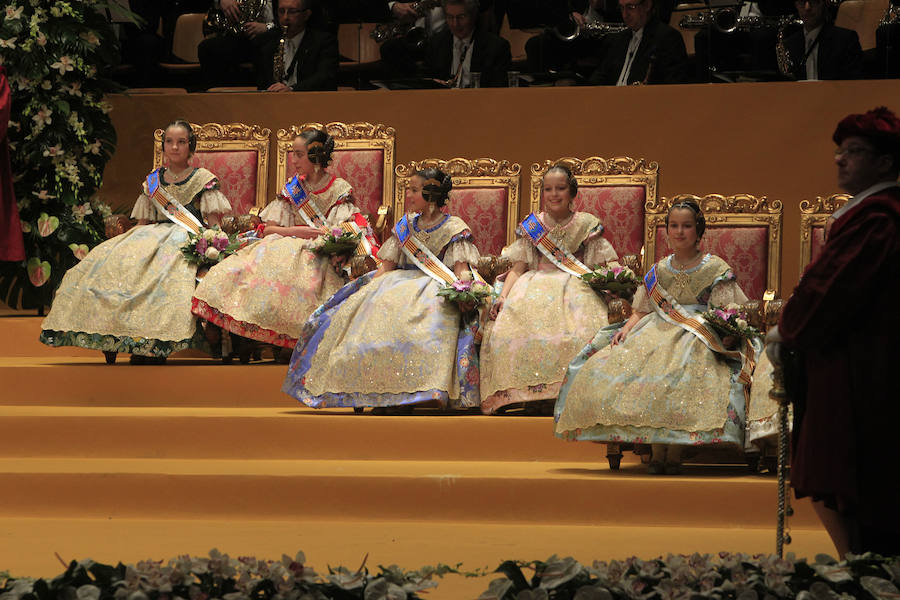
[(730, 320), (210, 246), (337, 242), (466, 292), (614, 280)]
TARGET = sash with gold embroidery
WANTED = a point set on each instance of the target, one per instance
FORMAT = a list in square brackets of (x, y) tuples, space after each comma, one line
[(170, 206), (293, 190), (424, 258), (538, 234), (670, 310)]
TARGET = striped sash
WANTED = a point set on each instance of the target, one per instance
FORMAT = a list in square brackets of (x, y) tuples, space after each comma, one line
[(170, 206), (420, 255), (364, 248), (538, 234), (293, 190), (670, 310)]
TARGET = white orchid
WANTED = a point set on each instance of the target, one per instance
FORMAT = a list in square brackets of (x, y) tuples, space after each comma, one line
[(14, 13), (9, 43), (73, 90), (80, 211), (53, 151), (64, 64), (94, 148), (41, 39), (91, 38), (46, 85), (43, 116)]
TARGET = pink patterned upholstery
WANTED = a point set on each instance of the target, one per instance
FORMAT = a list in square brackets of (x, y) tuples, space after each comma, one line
[(621, 210), (236, 171), (817, 239), (363, 169), (485, 212), (745, 249)]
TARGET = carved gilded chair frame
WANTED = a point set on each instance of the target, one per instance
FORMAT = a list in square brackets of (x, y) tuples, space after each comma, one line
[(478, 173), (815, 214), (594, 171), (739, 210), (347, 136), (231, 137)]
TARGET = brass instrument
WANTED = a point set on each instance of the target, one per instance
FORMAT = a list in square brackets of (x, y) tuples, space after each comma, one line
[(785, 63), (891, 15), (217, 21), (278, 59), (390, 31), (726, 20), (588, 30)]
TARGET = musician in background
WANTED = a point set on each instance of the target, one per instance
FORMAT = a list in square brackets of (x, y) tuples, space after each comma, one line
[(222, 53), (310, 60), (464, 48), (649, 51), (548, 51), (822, 50)]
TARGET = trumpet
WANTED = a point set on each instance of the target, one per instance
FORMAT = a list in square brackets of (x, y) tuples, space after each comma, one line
[(589, 30), (726, 20)]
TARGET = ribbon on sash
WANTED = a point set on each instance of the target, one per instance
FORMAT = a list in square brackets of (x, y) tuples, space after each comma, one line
[(293, 190), (424, 258), (673, 312), (366, 246), (170, 206), (538, 234)]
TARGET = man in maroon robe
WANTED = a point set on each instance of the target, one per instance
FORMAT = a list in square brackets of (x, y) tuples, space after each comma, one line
[(843, 322), (11, 247)]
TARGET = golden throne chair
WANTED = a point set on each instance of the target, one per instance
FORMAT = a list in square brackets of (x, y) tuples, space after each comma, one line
[(485, 195), (363, 155), (614, 189), (813, 216), (239, 156)]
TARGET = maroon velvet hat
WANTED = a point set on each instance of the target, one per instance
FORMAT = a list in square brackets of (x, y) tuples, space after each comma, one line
[(879, 125)]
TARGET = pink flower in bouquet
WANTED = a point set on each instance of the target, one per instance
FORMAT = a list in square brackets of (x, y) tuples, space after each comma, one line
[(202, 245), (617, 271), (462, 286), (221, 243), (721, 314), (337, 232)]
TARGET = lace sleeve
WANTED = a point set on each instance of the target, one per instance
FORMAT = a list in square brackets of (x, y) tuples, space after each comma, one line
[(390, 250), (641, 302), (214, 201), (598, 251), (340, 213), (461, 251), (145, 209), (726, 293), (522, 250), (279, 210)]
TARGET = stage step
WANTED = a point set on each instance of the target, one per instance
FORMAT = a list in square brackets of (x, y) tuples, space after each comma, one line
[(493, 492)]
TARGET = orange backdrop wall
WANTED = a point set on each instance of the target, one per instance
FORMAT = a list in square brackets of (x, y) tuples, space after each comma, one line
[(765, 139)]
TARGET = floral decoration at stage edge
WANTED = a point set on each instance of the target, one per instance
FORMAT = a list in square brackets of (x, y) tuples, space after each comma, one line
[(221, 576), (60, 135)]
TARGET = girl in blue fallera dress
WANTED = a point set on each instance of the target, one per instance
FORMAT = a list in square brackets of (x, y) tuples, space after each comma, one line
[(665, 378), (387, 339)]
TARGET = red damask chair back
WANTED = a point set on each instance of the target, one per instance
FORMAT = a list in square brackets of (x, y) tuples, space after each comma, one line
[(485, 195), (363, 155), (743, 230), (237, 154), (615, 190), (813, 216)]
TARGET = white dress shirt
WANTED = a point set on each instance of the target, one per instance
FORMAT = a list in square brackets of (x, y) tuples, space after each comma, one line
[(462, 53), (812, 56), (291, 45), (629, 56)]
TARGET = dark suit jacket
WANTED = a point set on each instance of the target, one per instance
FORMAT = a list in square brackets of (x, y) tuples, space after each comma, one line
[(838, 52), (661, 45), (491, 57), (317, 62)]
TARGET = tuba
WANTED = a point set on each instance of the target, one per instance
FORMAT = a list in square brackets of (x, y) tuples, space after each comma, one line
[(217, 22)]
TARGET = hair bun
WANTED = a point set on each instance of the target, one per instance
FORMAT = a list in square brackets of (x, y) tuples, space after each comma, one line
[(437, 185)]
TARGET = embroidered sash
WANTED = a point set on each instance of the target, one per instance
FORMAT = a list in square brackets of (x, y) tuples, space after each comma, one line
[(538, 234), (670, 310), (420, 255), (293, 190), (170, 206)]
